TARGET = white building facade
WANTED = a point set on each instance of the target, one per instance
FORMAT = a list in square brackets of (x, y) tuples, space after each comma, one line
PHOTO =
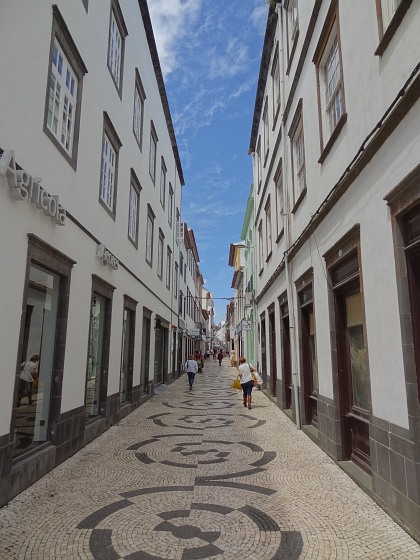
[(335, 144), (89, 282)]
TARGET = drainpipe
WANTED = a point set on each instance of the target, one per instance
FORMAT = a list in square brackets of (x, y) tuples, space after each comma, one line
[(287, 230)]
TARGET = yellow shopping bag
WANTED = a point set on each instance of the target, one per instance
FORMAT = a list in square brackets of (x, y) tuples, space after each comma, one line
[(236, 384)]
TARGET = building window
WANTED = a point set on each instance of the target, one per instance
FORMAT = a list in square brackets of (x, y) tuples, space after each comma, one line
[(260, 248), (268, 234), (64, 91), (109, 167), (266, 131), (168, 267), (258, 164), (152, 152), (127, 349), (181, 299), (275, 82), (117, 34), (176, 281), (163, 183), (160, 254), (138, 113), (331, 106), (149, 236), (133, 210), (178, 218), (298, 156), (390, 14), (292, 29), (86, 4), (170, 204), (278, 183)]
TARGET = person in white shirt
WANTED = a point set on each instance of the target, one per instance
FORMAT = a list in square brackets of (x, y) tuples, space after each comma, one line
[(27, 377), (191, 368), (245, 375)]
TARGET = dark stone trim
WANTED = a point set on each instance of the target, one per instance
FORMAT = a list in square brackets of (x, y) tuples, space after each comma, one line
[(299, 200), (336, 132), (392, 27)]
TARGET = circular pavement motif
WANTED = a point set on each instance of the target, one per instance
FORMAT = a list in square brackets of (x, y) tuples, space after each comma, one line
[(193, 532), (203, 421)]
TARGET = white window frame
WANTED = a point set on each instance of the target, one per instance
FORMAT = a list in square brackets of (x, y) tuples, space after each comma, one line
[(116, 42), (163, 183), (108, 173), (278, 184), (260, 247), (268, 229), (170, 205), (161, 242), (62, 98), (332, 90), (133, 213), (149, 236), (138, 111), (275, 84), (153, 152), (168, 266), (388, 9), (292, 21), (63, 93), (258, 164), (176, 281), (266, 131), (298, 148)]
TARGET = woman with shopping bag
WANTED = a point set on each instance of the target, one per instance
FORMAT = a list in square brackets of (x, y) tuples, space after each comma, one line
[(245, 376)]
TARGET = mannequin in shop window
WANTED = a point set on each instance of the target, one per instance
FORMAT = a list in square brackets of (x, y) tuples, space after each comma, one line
[(28, 375)]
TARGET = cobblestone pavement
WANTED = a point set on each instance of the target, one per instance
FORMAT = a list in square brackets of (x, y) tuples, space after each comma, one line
[(194, 474)]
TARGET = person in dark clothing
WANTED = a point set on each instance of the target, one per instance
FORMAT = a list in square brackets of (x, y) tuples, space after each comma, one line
[(220, 357)]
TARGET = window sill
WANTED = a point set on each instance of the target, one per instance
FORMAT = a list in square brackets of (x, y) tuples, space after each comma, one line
[(269, 256), (335, 133), (260, 272), (275, 117), (134, 243), (280, 235), (299, 200), (107, 209), (392, 27), (266, 157)]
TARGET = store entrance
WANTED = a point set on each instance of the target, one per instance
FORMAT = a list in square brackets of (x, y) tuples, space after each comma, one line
[(37, 358)]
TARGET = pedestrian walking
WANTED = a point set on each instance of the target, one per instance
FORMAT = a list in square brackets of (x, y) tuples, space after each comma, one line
[(245, 376), (214, 355), (220, 357), (27, 377), (199, 361), (191, 368)]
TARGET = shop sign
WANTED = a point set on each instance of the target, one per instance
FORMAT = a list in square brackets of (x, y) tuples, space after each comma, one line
[(246, 325), (107, 257), (25, 187), (194, 332)]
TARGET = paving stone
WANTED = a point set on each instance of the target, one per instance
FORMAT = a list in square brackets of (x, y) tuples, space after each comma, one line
[(191, 475)]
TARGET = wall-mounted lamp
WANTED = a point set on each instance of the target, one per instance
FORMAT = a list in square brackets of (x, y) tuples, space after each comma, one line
[(157, 324)]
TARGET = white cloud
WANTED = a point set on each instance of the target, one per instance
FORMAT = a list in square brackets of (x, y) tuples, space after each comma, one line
[(259, 17), (230, 63), (171, 20)]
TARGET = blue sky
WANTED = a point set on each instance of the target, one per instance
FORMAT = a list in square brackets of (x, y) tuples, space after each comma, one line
[(210, 54)]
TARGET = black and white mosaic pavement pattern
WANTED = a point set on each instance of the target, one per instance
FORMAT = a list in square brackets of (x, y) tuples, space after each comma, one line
[(193, 475)]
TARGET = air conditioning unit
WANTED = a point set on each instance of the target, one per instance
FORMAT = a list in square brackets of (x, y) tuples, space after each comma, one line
[(180, 231), (249, 298)]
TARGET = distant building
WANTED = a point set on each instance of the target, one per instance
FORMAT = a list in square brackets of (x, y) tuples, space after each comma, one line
[(335, 143)]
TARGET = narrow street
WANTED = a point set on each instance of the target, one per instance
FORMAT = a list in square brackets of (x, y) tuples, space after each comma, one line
[(193, 474)]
